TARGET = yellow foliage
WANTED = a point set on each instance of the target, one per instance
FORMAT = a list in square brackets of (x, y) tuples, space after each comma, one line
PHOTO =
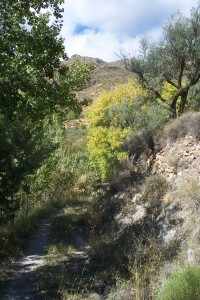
[(168, 92), (122, 92), (108, 129), (104, 147)]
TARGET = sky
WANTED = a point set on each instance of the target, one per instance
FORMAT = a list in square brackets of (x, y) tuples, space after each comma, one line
[(102, 28)]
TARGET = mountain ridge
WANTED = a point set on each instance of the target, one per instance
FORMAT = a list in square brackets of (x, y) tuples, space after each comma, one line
[(104, 77)]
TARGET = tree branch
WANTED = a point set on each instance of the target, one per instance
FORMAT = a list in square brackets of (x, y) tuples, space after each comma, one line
[(172, 83), (181, 73)]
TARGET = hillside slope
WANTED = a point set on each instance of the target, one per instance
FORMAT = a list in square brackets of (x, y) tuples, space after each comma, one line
[(149, 217), (104, 77)]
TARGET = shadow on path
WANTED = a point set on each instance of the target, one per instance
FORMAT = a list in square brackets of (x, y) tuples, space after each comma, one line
[(21, 284)]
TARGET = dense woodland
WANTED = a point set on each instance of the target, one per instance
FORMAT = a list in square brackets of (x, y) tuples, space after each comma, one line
[(44, 162)]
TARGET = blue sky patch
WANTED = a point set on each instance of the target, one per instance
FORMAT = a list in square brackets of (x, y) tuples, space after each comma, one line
[(81, 29)]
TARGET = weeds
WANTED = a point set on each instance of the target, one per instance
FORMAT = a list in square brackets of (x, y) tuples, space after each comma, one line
[(188, 123), (12, 235), (188, 193), (154, 188), (182, 285)]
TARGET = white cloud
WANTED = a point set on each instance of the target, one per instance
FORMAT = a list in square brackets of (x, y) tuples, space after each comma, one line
[(120, 24)]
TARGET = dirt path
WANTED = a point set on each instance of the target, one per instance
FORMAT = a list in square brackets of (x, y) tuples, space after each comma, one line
[(21, 285)]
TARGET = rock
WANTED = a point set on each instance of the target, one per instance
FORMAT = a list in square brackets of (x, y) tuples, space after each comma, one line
[(122, 293), (129, 219), (191, 256), (171, 238), (137, 197), (94, 296)]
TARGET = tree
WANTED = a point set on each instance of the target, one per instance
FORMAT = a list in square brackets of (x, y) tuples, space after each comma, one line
[(34, 84), (105, 148), (32, 79), (112, 117), (175, 60)]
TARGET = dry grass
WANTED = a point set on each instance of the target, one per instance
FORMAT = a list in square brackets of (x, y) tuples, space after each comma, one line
[(154, 188), (188, 194), (136, 145), (188, 123)]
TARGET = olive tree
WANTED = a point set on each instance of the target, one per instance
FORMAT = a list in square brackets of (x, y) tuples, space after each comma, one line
[(175, 60)]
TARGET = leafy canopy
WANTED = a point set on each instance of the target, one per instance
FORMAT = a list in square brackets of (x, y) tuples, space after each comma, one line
[(113, 116), (98, 111), (32, 79), (34, 85), (175, 60)]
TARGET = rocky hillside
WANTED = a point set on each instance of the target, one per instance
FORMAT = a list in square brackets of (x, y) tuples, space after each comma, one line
[(104, 77), (152, 208)]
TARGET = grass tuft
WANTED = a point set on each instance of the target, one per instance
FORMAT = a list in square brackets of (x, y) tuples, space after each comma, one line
[(182, 285), (188, 123)]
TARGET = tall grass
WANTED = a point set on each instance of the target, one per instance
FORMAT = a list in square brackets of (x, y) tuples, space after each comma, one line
[(12, 235), (182, 285)]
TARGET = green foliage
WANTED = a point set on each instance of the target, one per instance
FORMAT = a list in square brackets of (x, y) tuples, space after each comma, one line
[(104, 145), (109, 125), (113, 116), (182, 285), (193, 97), (137, 116), (34, 86), (175, 60), (105, 111), (23, 150), (86, 175), (28, 57)]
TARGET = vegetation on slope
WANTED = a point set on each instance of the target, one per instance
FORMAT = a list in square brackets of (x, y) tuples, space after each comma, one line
[(44, 163), (174, 60)]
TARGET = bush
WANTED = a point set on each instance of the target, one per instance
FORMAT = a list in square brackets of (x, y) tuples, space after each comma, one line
[(154, 188), (136, 145), (188, 123), (104, 146), (111, 108), (182, 285)]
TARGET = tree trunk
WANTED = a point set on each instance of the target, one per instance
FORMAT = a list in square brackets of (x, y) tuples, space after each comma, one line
[(173, 110), (183, 102)]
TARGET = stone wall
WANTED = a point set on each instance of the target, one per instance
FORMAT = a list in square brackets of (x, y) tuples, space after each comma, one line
[(178, 160)]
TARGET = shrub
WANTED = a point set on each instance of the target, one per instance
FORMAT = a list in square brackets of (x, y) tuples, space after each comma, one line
[(135, 145), (188, 123), (113, 116), (98, 111), (141, 114), (154, 188), (188, 193), (182, 285), (104, 147)]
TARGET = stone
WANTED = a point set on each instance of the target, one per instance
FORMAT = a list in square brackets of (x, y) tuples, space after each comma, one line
[(170, 238), (137, 197)]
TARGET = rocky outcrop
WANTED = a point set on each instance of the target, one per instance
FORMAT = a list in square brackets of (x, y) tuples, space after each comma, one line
[(178, 160), (175, 216)]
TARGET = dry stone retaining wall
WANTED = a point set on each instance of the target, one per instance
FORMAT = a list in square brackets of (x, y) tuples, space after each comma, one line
[(178, 160)]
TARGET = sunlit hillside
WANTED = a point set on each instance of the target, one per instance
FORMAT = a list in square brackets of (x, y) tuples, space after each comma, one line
[(104, 77)]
